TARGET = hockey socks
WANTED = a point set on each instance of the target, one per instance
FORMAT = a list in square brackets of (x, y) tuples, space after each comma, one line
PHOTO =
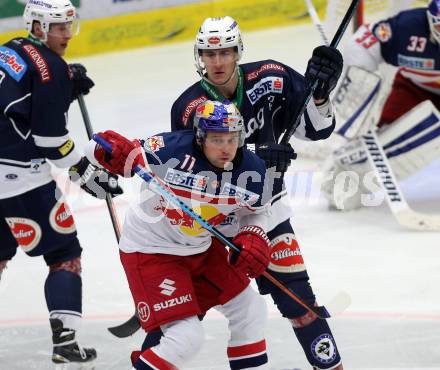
[(63, 291), (148, 360), (248, 356)]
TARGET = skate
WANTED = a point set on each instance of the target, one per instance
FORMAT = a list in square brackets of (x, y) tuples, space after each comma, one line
[(66, 350)]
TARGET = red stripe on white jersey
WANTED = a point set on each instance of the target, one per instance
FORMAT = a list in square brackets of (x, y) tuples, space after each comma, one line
[(247, 350), (156, 362)]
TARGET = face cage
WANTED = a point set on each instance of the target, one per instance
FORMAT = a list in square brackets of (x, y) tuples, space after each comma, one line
[(434, 21)]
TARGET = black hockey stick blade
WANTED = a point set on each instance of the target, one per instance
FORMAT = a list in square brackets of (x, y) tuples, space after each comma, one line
[(126, 329)]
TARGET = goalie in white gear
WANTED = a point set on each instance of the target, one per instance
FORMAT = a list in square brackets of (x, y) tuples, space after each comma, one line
[(408, 123)]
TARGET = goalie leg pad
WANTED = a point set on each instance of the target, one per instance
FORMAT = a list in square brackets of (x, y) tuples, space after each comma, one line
[(413, 141)]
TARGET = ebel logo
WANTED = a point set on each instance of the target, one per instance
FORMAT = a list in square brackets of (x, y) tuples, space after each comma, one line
[(244, 195), (167, 287), (172, 302), (186, 179), (265, 86)]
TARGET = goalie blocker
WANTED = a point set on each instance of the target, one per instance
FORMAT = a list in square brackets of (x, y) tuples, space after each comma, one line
[(410, 143)]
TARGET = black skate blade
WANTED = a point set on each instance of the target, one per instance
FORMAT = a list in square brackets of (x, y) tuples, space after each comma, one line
[(126, 329)]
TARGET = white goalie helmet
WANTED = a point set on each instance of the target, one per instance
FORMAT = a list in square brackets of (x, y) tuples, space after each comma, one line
[(47, 12), (217, 33)]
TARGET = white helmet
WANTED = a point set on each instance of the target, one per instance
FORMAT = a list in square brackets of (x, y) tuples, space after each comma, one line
[(47, 12), (217, 33)]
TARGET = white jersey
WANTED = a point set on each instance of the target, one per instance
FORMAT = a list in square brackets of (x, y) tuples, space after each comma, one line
[(228, 200)]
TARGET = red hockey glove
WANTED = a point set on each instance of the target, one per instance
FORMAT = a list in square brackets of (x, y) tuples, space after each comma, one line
[(254, 256), (125, 155)]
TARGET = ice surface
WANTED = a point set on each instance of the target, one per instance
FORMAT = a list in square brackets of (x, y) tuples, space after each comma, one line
[(392, 274)]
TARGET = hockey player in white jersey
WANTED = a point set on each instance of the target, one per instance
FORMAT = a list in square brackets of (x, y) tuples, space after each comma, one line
[(408, 123), (175, 269)]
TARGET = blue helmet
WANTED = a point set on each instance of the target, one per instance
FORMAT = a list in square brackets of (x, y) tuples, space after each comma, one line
[(218, 117), (433, 13)]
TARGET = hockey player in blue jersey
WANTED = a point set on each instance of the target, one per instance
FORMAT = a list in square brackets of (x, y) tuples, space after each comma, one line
[(407, 120), (36, 89), (268, 94), (175, 269)]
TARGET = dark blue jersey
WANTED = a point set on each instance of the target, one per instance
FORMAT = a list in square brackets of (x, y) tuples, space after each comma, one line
[(405, 41), (35, 95), (268, 97)]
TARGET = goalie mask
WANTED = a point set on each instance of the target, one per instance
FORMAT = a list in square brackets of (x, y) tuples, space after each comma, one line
[(214, 34), (48, 12), (433, 14), (218, 117)]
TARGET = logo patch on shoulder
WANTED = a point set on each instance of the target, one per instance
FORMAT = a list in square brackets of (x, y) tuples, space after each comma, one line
[(154, 143), (39, 63), (383, 31), (61, 218), (265, 86), (192, 105), (26, 232), (12, 63)]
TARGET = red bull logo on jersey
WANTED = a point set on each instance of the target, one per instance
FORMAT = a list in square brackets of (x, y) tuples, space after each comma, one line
[(26, 232), (185, 179), (187, 224), (243, 195), (383, 32), (12, 63), (155, 143), (265, 86)]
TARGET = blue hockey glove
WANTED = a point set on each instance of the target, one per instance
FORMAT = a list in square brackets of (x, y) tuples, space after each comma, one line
[(325, 65)]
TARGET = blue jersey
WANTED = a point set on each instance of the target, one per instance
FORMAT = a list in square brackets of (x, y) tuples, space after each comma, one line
[(226, 199), (268, 96), (35, 95), (404, 41)]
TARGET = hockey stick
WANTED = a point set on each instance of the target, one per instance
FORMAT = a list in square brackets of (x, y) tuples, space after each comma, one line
[(110, 205), (399, 207), (335, 41), (404, 215), (341, 302), (127, 328)]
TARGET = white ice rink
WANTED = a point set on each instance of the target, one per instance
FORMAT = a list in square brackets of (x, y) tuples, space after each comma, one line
[(392, 274)]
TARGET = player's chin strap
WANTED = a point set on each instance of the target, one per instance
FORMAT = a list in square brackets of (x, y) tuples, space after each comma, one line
[(402, 212), (338, 304)]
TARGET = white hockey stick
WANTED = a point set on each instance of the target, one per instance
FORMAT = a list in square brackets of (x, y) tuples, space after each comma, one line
[(395, 199), (315, 18)]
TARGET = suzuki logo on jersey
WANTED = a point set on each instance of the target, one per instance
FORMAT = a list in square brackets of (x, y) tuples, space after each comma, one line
[(172, 302), (265, 86), (185, 179), (244, 195), (414, 62), (167, 287), (14, 65)]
